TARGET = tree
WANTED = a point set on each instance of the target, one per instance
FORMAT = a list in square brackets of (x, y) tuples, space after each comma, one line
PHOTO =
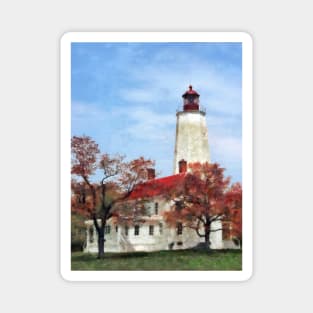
[(234, 206), (78, 232), (118, 179), (200, 200), (84, 162)]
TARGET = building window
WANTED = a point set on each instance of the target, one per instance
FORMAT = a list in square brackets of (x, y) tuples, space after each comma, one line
[(151, 230), (126, 230), (179, 228), (136, 232), (116, 228), (161, 228), (156, 208), (107, 229), (91, 234)]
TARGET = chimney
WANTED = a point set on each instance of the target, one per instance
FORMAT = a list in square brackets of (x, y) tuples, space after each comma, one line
[(182, 164), (151, 173)]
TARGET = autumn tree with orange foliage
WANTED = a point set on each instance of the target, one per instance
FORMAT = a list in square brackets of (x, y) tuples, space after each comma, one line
[(99, 201), (201, 199), (234, 214)]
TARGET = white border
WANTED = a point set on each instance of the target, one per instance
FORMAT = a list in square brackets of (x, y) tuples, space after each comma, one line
[(247, 157)]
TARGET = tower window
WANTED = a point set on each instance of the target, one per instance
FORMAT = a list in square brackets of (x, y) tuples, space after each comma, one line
[(179, 228), (151, 230), (126, 230), (116, 228), (136, 230), (156, 208)]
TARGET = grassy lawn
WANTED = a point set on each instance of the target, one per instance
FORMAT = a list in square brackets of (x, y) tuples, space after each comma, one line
[(180, 260)]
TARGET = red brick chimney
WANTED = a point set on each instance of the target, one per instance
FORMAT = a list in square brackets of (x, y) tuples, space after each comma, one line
[(151, 173), (182, 164)]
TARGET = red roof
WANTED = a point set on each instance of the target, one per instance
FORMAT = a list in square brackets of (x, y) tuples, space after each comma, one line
[(190, 92), (156, 187)]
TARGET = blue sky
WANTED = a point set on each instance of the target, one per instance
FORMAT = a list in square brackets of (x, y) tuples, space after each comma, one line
[(125, 96)]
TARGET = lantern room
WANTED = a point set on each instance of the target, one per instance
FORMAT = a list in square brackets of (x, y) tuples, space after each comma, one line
[(191, 100)]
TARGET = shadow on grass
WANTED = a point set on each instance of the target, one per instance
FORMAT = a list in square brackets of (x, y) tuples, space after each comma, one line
[(128, 255), (139, 254)]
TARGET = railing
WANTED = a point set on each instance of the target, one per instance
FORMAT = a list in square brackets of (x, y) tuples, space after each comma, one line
[(202, 109)]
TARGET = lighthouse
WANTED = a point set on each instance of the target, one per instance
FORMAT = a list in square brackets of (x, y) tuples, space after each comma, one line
[(151, 231), (192, 143)]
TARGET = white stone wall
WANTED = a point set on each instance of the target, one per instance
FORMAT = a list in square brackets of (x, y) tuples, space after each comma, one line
[(229, 244), (216, 237), (167, 239), (192, 143)]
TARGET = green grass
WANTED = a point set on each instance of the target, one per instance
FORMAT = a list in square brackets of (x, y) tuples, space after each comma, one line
[(181, 260)]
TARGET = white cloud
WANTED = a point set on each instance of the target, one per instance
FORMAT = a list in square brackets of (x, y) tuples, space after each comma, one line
[(137, 95), (86, 111), (141, 123), (165, 85), (149, 125)]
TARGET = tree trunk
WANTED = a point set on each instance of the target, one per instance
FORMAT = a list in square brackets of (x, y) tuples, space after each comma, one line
[(207, 230), (101, 241)]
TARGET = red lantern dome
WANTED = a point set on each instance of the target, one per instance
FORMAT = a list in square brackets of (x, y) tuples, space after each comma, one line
[(191, 100)]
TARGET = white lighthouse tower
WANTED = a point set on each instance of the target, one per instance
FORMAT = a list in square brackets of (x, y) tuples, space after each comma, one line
[(192, 144)]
